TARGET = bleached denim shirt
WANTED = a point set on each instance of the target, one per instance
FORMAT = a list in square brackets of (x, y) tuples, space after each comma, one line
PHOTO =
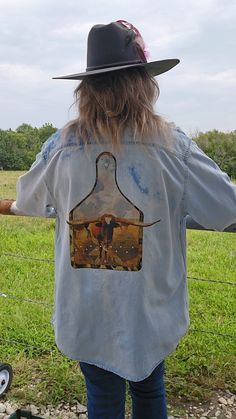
[(121, 295)]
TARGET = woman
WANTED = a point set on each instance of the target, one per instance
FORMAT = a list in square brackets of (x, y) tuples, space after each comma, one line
[(121, 181)]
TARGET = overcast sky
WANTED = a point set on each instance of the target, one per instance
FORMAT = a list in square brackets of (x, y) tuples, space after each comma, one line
[(45, 38)]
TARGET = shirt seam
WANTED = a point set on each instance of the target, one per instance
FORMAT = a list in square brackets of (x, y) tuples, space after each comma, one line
[(186, 177), (80, 146), (51, 195)]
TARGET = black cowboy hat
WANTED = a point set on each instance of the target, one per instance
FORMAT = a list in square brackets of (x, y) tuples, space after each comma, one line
[(117, 46)]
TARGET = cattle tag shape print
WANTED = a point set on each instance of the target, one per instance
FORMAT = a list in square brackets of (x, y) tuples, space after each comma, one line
[(106, 229)]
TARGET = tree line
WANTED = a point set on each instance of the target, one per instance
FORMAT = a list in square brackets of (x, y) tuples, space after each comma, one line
[(18, 148)]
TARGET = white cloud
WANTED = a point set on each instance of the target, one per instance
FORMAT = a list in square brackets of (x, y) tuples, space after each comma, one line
[(45, 38), (227, 77), (69, 31), (168, 39), (18, 73), (223, 78)]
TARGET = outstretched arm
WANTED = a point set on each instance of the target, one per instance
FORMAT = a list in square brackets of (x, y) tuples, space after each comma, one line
[(6, 206)]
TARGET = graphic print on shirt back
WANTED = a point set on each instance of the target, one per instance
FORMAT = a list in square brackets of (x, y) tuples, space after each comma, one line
[(106, 229)]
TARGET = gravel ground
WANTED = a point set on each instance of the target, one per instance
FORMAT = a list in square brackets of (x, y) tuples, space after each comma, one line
[(222, 406)]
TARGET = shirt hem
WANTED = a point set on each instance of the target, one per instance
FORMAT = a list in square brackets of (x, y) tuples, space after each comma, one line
[(128, 377)]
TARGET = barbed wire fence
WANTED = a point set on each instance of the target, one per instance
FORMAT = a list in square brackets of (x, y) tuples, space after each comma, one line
[(190, 224)]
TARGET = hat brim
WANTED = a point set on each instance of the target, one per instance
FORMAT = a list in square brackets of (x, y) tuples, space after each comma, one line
[(153, 68)]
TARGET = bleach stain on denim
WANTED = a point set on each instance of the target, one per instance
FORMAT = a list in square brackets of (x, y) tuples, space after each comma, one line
[(137, 179)]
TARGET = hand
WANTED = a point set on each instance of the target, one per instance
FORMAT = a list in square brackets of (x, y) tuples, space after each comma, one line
[(5, 206)]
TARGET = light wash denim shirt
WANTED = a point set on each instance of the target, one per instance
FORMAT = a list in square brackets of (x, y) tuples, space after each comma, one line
[(121, 295)]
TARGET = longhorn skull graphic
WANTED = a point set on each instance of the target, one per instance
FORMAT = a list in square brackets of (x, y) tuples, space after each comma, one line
[(102, 229)]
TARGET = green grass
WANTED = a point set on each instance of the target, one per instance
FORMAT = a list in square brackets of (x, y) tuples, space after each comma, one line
[(202, 362)]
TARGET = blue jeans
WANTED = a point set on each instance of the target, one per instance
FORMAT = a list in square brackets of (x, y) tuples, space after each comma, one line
[(106, 393)]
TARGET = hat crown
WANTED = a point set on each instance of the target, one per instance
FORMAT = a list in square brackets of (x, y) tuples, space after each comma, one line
[(117, 46), (111, 45)]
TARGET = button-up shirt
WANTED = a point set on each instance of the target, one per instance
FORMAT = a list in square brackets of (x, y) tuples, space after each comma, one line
[(121, 297)]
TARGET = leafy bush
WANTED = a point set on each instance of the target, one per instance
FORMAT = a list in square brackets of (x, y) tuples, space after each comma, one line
[(18, 148), (221, 147)]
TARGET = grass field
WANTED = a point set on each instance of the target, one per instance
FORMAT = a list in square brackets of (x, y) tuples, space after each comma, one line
[(202, 363)]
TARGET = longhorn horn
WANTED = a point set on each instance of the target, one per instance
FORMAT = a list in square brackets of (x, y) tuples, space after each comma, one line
[(89, 221), (135, 223), (75, 223)]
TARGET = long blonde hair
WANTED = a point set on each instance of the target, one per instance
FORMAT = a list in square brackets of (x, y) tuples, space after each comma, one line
[(109, 103)]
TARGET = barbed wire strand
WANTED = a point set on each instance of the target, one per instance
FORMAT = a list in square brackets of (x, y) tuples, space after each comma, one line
[(25, 300), (28, 300), (27, 257), (213, 280), (26, 346), (52, 261), (213, 333), (54, 348)]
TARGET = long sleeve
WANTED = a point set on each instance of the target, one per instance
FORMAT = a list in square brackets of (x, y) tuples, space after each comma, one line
[(210, 196), (33, 196)]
